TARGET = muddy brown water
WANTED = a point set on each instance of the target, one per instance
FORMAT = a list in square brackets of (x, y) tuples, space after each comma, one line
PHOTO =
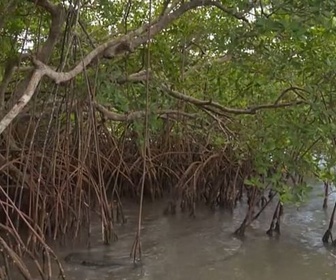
[(178, 247)]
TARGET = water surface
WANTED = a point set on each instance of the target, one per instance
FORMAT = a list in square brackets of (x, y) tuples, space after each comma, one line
[(178, 247)]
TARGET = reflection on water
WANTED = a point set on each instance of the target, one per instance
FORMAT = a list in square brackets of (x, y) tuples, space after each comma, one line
[(180, 247)]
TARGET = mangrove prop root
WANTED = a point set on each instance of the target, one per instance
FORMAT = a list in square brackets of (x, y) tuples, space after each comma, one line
[(3, 274), (263, 208), (16, 259), (241, 191), (120, 214), (5, 271), (192, 213), (71, 204), (326, 193), (136, 252), (109, 234), (170, 209), (277, 225), (183, 205), (240, 232), (274, 221), (328, 235), (247, 220), (263, 201), (271, 194), (281, 211)]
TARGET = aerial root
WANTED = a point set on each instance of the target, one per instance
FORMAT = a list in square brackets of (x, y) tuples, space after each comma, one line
[(275, 223), (253, 199), (328, 234), (170, 209), (136, 252), (326, 193)]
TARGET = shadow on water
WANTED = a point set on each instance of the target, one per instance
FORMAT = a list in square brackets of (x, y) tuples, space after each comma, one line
[(179, 247)]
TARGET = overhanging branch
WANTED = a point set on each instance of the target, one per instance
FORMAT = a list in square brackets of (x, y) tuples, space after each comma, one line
[(209, 104), (45, 4), (132, 116), (57, 13), (109, 49)]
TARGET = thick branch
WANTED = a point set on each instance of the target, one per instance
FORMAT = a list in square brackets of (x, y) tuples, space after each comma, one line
[(48, 6), (108, 49), (134, 78), (9, 7), (165, 7), (128, 42), (207, 105), (27, 87), (9, 71), (231, 12), (57, 13), (22, 102), (44, 54), (165, 20)]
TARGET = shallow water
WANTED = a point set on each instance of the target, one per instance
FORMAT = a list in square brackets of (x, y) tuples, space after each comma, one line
[(179, 247)]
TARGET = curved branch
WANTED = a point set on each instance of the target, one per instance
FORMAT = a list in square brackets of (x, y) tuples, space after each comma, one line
[(165, 7), (57, 13), (109, 49), (8, 8), (45, 4), (138, 77), (57, 19), (130, 41), (231, 12), (22, 102), (210, 104), (291, 88), (207, 105), (138, 114)]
